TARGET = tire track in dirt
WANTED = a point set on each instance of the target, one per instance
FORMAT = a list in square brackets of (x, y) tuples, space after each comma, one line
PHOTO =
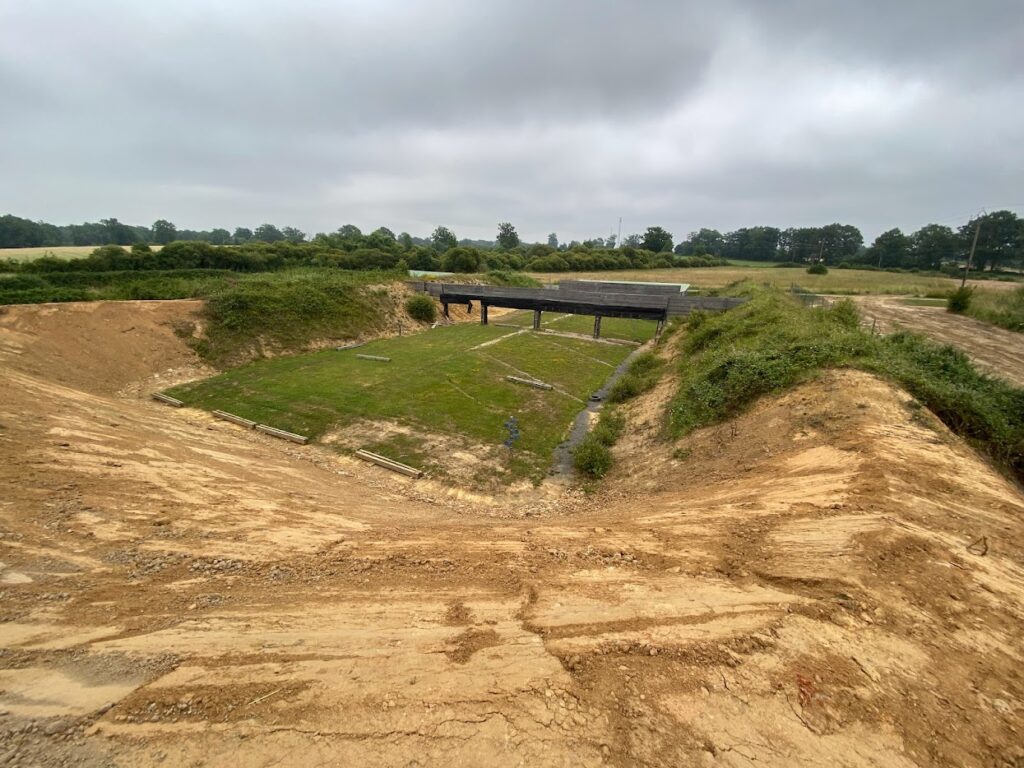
[(996, 350)]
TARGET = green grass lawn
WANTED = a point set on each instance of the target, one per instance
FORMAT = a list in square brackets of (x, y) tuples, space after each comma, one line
[(436, 383), (750, 263), (916, 302), (611, 327)]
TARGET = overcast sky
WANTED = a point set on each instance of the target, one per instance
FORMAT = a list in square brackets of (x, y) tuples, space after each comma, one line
[(556, 116)]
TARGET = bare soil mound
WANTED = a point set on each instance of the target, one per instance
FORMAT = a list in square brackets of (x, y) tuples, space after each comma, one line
[(101, 346), (830, 579)]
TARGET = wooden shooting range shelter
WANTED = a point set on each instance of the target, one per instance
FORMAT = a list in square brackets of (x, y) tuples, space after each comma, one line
[(599, 298)]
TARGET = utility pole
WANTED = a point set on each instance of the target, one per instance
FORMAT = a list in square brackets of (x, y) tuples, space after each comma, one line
[(618, 240), (970, 256)]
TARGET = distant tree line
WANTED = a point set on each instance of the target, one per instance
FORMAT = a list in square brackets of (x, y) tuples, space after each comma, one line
[(1000, 244)]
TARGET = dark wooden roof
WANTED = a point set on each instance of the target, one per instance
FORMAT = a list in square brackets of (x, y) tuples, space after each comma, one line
[(607, 302)]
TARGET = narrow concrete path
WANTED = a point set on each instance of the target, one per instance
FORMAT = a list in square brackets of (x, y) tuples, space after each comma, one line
[(562, 465)]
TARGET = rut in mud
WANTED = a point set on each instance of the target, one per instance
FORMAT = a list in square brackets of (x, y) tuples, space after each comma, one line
[(830, 579)]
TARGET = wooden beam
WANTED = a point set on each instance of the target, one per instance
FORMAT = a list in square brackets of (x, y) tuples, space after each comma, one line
[(275, 432), (377, 358), (234, 419), (168, 400), (529, 382), (384, 461)]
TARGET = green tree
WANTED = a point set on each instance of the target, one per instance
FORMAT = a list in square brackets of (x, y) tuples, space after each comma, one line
[(349, 232), (507, 238), (16, 232), (752, 243), (1000, 239), (242, 235), (268, 233), (932, 244), (461, 259), (890, 249), (657, 239), (800, 243), (293, 235), (839, 242), (443, 239), (385, 233), (116, 232), (163, 232), (405, 240), (553, 240), (220, 236), (702, 242)]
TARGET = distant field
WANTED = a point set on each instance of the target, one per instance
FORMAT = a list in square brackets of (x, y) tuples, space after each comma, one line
[(60, 251), (438, 382), (837, 281)]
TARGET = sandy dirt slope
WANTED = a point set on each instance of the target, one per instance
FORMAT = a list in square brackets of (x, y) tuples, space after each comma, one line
[(796, 587), (995, 350)]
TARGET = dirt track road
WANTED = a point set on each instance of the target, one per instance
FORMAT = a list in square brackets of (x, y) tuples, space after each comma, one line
[(796, 587), (996, 350)]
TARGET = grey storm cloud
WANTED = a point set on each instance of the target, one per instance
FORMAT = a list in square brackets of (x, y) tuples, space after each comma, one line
[(557, 116)]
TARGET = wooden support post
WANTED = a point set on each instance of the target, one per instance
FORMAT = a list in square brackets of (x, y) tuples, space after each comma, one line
[(536, 319), (659, 329), (444, 307), (168, 400), (483, 313), (529, 382), (597, 326)]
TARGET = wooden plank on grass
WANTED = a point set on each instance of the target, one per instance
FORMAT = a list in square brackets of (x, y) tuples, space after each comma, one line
[(384, 461), (167, 400), (343, 347), (274, 432), (234, 419), (378, 358), (529, 382)]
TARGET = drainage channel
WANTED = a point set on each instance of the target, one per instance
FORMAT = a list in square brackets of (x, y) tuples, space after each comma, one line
[(562, 459)]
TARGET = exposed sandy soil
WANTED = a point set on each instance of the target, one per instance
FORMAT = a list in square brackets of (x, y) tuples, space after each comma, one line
[(995, 350), (830, 579)]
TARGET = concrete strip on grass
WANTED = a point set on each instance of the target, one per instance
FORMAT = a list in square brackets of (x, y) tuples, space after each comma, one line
[(274, 432)]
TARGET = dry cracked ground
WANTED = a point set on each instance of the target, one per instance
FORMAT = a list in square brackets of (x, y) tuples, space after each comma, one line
[(830, 579)]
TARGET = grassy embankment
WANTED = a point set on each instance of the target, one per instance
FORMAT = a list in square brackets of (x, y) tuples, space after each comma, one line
[(772, 343), (437, 383), (1005, 309)]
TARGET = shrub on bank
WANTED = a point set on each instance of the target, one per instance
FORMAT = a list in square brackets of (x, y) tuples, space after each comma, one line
[(642, 375), (592, 457), (421, 308), (959, 301)]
